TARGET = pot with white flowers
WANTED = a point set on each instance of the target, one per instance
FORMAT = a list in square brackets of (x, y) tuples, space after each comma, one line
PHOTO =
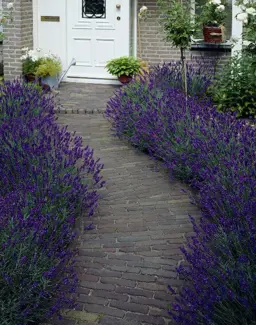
[(212, 19), (36, 65), (30, 62)]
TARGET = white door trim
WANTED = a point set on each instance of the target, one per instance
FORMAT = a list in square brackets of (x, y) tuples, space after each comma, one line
[(35, 23), (36, 20), (135, 27)]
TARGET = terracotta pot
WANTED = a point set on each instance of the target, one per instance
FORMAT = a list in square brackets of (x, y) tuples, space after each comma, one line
[(213, 34), (125, 79), (29, 77)]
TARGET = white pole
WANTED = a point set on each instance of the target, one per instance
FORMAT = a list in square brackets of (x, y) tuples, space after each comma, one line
[(135, 26)]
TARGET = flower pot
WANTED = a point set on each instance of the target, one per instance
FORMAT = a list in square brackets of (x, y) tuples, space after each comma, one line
[(29, 77), (125, 79), (51, 82), (213, 34)]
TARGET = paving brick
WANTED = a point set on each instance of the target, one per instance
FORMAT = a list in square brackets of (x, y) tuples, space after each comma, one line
[(118, 281), (85, 252), (130, 307), (145, 319), (158, 312), (112, 295), (149, 302), (163, 296), (97, 285), (152, 286), (104, 273), (99, 309), (125, 257), (92, 300), (139, 277), (135, 292)]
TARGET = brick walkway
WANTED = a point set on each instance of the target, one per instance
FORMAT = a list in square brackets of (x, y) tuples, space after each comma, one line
[(126, 263)]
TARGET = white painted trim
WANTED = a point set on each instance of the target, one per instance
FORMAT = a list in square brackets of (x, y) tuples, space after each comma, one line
[(93, 81), (135, 27), (35, 23), (237, 29)]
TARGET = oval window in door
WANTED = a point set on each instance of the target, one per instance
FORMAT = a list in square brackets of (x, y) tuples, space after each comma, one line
[(94, 8)]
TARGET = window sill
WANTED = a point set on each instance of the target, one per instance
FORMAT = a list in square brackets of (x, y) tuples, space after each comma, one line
[(201, 45)]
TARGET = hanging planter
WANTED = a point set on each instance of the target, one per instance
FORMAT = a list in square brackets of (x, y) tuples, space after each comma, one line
[(213, 34)]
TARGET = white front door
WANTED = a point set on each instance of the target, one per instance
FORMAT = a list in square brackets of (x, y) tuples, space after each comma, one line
[(97, 31)]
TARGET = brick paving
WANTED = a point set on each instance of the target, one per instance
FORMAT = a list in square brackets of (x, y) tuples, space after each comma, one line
[(76, 98), (126, 263)]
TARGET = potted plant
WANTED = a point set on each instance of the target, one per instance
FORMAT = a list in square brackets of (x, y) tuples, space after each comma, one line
[(124, 68), (44, 67), (30, 62), (212, 18), (48, 70)]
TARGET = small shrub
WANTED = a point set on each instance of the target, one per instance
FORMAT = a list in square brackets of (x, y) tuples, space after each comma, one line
[(235, 87), (125, 65), (49, 67)]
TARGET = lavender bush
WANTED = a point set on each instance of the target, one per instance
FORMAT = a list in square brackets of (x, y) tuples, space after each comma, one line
[(47, 179), (215, 153)]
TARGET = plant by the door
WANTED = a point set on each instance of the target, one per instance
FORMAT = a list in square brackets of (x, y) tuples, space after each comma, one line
[(124, 68), (44, 66), (212, 18)]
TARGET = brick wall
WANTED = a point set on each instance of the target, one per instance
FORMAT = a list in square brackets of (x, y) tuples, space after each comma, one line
[(1, 60), (154, 49), (18, 34)]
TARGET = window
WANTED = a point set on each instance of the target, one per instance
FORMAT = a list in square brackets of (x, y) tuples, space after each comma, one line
[(228, 23), (94, 8)]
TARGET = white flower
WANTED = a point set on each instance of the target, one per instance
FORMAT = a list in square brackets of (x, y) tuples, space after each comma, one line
[(243, 16), (220, 8), (216, 2), (10, 5), (246, 43), (251, 11), (34, 58), (143, 8), (23, 57)]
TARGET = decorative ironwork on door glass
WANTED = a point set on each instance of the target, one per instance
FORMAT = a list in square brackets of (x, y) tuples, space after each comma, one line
[(94, 8)]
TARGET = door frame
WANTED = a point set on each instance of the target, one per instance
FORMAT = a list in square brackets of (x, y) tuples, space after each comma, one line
[(36, 18)]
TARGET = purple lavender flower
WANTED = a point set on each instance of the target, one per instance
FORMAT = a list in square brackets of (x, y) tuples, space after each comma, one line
[(216, 154), (46, 179)]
